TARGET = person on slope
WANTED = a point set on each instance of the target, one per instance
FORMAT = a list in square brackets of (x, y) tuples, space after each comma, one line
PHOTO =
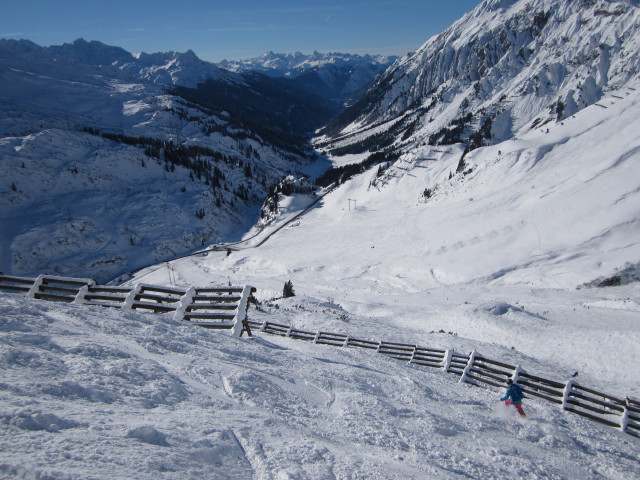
[(513, 396)]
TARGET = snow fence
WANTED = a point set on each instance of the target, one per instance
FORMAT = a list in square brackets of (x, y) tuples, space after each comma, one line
[(212, 307), (621, 413), (226, 308)]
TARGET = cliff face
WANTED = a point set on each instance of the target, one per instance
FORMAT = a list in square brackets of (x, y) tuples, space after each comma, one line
[(505, 66)]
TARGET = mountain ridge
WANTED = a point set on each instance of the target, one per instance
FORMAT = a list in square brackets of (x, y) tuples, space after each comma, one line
[(537, 59)]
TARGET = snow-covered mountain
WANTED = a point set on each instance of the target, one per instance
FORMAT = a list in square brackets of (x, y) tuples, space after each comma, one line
[(112, 160), (339, 77), (506, 67)]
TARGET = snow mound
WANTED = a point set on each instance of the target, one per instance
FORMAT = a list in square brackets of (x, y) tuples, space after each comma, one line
[(150, 435)]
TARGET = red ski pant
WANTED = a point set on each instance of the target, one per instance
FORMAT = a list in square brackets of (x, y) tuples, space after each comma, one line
[(517, 405)]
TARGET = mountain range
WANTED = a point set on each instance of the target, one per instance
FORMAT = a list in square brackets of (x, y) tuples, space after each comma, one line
[(113, 160), (102, 150)]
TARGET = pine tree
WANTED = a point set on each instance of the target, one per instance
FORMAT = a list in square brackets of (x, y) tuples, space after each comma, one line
[(287, 291)]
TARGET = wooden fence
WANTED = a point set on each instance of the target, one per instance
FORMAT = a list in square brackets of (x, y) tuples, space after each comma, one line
[(226, 308), (621, 413), (213, 307)]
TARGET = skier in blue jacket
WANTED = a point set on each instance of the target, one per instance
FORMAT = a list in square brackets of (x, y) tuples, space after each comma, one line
[(513, 396)]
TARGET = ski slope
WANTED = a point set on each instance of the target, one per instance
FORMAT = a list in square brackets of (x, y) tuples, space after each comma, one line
[(495, 256), (95, 393)]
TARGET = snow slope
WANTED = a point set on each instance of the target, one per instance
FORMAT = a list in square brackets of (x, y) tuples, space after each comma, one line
[(495, 255), (95, 393)]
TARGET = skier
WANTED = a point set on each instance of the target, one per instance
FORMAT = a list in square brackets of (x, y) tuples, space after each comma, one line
[(513, 396)]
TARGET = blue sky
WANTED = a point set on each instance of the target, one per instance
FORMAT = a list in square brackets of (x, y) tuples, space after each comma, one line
[(234, 29)]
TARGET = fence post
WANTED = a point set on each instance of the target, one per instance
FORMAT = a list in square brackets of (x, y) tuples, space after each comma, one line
[(241, 311), (263, 327), (81, 293), (446, 361), (185, 301), (472, 358), (565, 396), (315, 339), (624, 421), (346, 342), (289, 331), (415, 348), (35, 288), (516, 374), (128, 303)]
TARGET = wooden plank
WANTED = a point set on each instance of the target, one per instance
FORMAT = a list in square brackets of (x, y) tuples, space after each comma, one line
[(170, 291), (332, 336), (220, 290), (557, 401), (589, 407), (276, 332), (111, 298), (50, 296), (492, 370), (633, 418), (399, 345), (277, 325), (540, 388), (220, 298), (404, 356), (14, 287), (103, 289), (159, 298), (362, 344), (426, 363), (495, 362), (213, 326), (356, 342), (156, 307), (482, 373), (386, 346), (50, 281), (29, 281), (594, 417), (431, 351), (425, 356), (483, 380), (210, 306), (543, 380), (50, 288), (208, 316), (599, 394), (610, 405), (299, 336), (329, 341)]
